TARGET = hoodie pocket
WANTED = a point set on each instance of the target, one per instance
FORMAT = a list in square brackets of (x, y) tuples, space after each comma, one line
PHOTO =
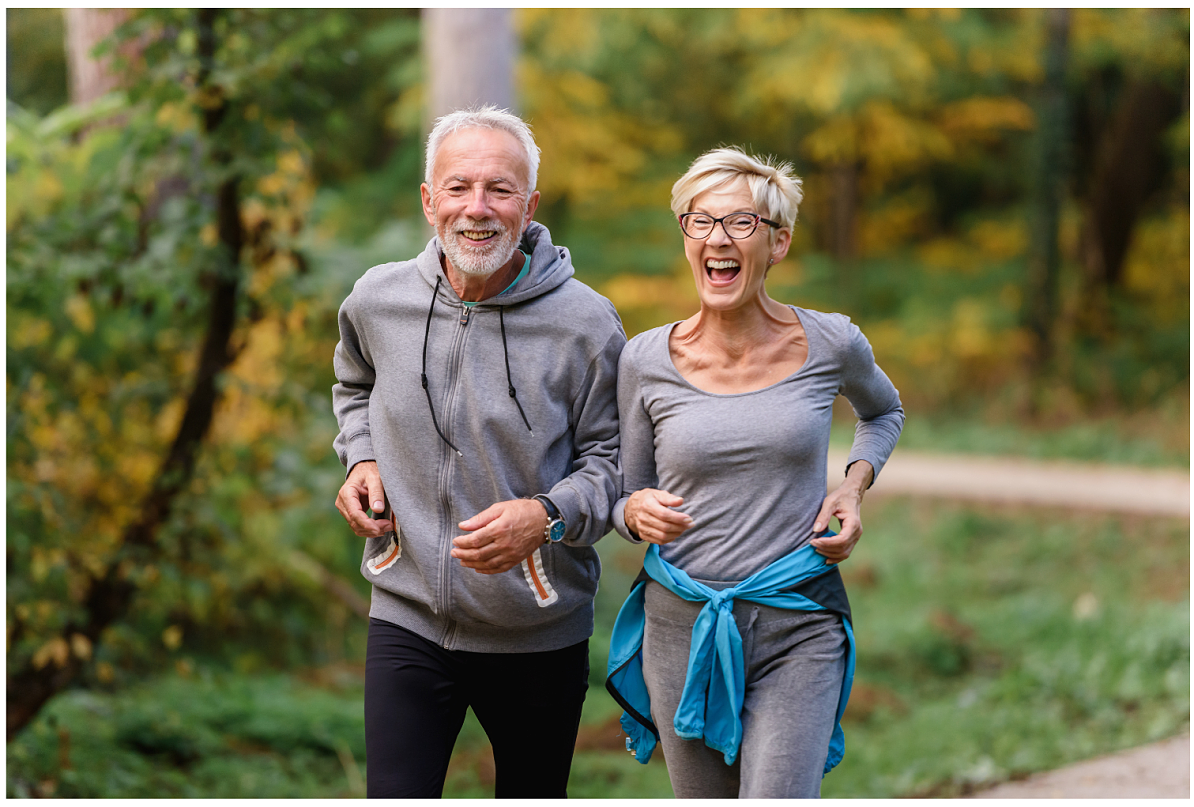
[(513, 598), (382, 553), (535, 573)]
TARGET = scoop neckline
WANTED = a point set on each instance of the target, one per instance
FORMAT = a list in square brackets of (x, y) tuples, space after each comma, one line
[(667, 338)]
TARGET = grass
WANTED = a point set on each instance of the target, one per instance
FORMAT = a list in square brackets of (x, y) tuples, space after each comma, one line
[(992, 642), (207, 735)]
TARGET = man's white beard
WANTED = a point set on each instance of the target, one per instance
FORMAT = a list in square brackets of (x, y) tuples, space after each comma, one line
[(478, 261)]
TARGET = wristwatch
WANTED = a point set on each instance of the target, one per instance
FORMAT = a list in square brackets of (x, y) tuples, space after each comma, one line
[(553, 533)]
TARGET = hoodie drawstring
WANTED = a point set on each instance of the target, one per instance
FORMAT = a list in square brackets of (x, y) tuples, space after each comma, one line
[(426, 334), (505, 355), (510, 381)]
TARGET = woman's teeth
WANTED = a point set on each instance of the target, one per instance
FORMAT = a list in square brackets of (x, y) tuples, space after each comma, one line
[(722, 271)]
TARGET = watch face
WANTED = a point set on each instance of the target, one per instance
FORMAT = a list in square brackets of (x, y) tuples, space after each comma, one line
[(557, 531)]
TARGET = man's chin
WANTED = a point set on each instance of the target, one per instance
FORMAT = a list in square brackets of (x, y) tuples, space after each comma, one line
[(478, 265)]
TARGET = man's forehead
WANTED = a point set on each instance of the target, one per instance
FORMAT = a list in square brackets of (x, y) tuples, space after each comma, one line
[(477, 153)]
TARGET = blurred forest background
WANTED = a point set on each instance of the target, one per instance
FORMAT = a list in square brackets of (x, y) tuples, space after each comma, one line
[(999, 198)]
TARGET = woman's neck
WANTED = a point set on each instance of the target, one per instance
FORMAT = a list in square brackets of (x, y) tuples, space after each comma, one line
[(738, 332)]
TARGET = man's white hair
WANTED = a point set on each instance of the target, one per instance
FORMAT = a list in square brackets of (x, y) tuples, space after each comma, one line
[(485, 117), (773, 187)]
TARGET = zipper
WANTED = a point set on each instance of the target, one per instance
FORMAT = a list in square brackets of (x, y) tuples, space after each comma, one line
[(456, 357)]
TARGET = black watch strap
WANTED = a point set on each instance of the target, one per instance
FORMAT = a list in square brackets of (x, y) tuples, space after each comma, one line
[(553, 512)]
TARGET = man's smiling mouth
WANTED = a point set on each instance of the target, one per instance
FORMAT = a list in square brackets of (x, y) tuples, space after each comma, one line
[(478, 235)]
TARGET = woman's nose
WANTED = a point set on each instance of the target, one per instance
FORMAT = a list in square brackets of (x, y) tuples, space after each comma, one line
[(718, 235)]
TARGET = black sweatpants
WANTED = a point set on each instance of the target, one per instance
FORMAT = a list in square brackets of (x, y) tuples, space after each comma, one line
[(416, 695)]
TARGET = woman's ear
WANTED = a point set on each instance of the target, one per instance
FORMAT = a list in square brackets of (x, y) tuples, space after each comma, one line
[(779, 249)]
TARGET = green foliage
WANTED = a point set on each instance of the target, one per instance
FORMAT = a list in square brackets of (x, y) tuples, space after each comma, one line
[(112, 247)]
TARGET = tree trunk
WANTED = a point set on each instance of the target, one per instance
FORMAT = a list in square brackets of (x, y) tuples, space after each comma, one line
[(110, 596), (1128, 170), (469, 56), (1049, 172), (842, 226), (88, 77)]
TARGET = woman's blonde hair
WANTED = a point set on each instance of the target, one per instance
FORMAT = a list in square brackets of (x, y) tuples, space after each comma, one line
[(776, 191)]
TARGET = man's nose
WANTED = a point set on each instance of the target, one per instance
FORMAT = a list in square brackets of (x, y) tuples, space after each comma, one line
[(477, 204)]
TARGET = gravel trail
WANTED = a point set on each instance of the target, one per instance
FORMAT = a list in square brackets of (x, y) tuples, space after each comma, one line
[(1157, 771), (1110, 488)]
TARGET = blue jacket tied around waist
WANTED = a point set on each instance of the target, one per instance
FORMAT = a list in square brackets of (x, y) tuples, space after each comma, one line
[(714, 686)]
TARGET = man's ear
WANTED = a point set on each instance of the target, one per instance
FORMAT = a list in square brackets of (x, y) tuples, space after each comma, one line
[(428, 207), (532, 205)]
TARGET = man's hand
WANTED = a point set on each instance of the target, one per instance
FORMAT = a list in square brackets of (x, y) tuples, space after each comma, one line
[(844, 504), (501, 536), (650, 516), (363, 491)]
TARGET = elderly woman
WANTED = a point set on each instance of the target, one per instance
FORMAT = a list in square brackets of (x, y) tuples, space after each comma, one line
[(735, 650)]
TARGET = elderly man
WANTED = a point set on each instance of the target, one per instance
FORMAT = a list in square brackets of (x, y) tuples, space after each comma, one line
[(479, 424)]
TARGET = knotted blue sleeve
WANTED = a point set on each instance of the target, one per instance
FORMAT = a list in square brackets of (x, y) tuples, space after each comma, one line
[(710, 705)]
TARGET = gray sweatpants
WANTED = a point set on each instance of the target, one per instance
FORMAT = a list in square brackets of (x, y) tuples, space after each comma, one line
[(794, 664)]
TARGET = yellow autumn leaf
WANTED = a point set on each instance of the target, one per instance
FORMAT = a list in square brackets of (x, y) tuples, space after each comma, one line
[(80, 645), (172, 637), (56, 650)]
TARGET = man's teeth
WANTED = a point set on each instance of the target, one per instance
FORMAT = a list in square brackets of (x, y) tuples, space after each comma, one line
[(478, 235), (722, 264)]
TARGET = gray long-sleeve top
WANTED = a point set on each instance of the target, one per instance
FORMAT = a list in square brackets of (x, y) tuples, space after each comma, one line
[(751, 466)]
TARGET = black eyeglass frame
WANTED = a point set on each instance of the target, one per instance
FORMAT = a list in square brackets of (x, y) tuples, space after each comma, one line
[(758, 219)]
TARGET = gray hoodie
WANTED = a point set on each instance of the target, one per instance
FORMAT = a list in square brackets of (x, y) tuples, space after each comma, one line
[(556, 434)]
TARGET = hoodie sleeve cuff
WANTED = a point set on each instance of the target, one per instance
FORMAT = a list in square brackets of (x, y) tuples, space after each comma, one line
[(619, 518), (360, 449), (568, 503)]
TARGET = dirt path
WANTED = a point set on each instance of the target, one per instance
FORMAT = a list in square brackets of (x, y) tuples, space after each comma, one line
[(1159, 770), (1051, 484)]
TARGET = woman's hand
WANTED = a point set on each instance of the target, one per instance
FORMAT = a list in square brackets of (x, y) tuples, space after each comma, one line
[(844, 504), (650, 517)]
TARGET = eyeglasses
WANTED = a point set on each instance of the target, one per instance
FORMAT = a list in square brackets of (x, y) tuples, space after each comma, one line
[(736, 225)]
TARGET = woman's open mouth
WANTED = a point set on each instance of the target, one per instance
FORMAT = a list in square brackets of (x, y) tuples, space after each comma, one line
[(722, 272)]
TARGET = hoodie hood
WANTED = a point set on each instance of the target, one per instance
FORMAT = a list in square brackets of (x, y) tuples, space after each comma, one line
[(551, 266)]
